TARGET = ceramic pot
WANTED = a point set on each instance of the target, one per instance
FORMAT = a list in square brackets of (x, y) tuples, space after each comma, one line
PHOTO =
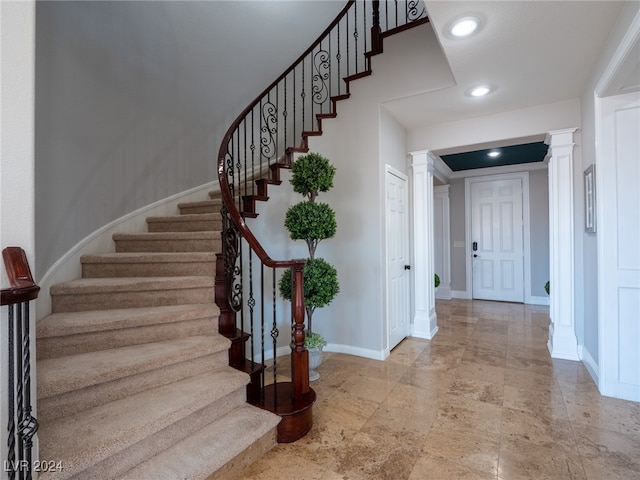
[(315, 359)]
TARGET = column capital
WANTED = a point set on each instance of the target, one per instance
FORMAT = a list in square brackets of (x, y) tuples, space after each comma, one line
[(557, 138)]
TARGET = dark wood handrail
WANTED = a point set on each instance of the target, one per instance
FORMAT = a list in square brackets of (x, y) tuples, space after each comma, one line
[(237, 219), (22, 287)]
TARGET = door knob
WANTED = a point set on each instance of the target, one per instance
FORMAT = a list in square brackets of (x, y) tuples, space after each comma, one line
[(407, 267), (475, 255)]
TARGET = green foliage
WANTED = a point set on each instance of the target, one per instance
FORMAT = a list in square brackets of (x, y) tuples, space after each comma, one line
[(314, 340), (546, 287), (437, 280), (310, 221), (312, 173), (320, 284)]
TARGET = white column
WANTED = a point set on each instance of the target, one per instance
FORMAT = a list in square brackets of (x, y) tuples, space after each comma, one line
[(425, 320), (441, 217), (563, 342)]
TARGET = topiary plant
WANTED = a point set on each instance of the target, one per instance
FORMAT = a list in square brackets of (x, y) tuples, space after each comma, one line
[(436, 280), (320, 286), (312, 222)]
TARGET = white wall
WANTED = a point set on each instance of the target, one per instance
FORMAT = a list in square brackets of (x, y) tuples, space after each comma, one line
[(17, 56), (359, 142), (588, 335), (133, 98)]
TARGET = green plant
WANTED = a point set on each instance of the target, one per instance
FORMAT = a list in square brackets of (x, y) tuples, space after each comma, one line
[(310, 174), (546, 287), (312, 222), (436, 279), (314, 340)]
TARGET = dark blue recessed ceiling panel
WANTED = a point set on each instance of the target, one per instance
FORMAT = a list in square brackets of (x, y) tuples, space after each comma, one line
[(512, 155)]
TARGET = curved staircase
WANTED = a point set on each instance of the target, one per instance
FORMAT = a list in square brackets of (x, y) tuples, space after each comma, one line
[(133, 377), (133, 364)]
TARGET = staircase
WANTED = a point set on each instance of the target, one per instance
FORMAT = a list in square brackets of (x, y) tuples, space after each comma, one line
[(134, 379)]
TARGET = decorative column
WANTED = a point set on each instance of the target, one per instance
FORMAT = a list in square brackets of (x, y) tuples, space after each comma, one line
[(425, 320), (441, 217), (563, 342)]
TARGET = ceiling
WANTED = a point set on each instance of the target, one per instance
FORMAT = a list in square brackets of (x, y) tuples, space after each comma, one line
[(496, 157), (530, 52)]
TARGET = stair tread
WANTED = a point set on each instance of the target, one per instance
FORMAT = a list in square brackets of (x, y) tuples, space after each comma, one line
[(201, 203), (73, 372), (129, 284), (148, 257), (187, 217), (73, 323), (88, 437), (205, 234), (208, 449)]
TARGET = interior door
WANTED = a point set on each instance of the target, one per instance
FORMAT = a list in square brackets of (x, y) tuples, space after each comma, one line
[(397, 236), (497, 240), (618, 230)]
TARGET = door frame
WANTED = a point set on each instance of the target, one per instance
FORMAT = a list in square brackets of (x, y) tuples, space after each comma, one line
[(526, 227), (389, 170)]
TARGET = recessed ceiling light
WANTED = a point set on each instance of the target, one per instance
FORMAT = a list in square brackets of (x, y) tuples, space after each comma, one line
[(463, 27), (494, 153), (479, 91)]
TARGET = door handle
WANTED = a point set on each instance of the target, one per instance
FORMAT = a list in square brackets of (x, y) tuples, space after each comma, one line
[(407, 267), (475, 255)]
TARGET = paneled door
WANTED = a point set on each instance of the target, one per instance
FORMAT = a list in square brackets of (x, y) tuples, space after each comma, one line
[(497, 240), (397, 237), (618, 230)]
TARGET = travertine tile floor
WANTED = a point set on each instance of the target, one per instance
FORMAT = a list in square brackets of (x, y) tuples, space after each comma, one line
[(482, 400)]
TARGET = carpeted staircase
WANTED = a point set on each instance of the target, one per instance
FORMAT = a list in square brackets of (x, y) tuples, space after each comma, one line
[(133, 378)]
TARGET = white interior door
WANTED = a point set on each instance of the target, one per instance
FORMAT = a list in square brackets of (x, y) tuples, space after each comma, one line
[(397, 237), (618, 230), (497, 240)]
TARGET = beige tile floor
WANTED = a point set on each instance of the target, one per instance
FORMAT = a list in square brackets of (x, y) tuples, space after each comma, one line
[(482, 400)]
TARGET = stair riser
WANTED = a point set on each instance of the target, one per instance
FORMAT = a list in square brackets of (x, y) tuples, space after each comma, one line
[(251, 455), (75, 401), (195, 210), (138, 269), (131, 245), (185, 226), (155, 442), (54, 347), (106, 299)]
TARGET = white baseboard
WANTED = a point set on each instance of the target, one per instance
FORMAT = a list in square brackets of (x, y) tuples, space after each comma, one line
[(589, 363), (463, 294), (68, 266), (443, 293), (332, 347), (531, 300)]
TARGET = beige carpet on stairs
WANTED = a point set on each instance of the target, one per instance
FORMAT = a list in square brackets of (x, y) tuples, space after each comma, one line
[(133, 378)]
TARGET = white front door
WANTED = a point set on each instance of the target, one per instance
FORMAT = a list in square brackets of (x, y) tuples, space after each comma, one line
[(497, 240), (618, 229), (397, 237)]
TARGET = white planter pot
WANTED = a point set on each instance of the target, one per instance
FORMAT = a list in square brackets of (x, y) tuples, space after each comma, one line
[(315, 359)]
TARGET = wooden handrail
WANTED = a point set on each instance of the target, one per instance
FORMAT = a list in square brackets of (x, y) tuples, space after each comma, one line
[(222, 153), (22, 287)]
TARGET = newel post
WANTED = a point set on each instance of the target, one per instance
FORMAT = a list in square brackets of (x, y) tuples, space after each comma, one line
[(299, 354), (376, 31)]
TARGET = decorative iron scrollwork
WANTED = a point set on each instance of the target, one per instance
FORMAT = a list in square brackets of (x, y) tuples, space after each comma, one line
[(322, 65), (268, 130), (231, 238), (415, 10)]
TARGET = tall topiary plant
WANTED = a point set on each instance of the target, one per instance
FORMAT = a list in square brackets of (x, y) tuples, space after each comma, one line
[(312, 222)]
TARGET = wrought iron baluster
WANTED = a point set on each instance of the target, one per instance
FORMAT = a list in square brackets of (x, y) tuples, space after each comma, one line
[(11, 425), (274, 335)]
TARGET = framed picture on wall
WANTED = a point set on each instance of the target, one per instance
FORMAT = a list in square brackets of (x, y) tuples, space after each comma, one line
[(590, 199)]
